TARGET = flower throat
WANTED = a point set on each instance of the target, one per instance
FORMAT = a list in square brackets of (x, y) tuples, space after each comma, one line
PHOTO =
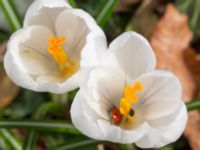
[(125, 111), (67, 67)]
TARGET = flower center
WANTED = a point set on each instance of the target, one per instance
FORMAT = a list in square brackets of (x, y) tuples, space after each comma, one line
[(67, 66), (125, 110)]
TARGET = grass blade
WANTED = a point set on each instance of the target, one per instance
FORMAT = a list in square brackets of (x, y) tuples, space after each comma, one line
[(10, 14), (31, 138), (30, 141), (105, 11), (73, 3), (77, 144), (40, 125), (11, 138), (193, 105)]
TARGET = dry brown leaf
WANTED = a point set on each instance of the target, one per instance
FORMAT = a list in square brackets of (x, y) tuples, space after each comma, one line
[(193, 64), (193, 129), (8, 90), (100, 147), (171, 41), (2, 51), (124, 5), (128, 2), (144, 16), (171, 37)]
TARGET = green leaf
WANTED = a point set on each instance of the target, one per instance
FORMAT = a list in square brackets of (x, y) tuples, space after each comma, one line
[(193, 105), (191, 9), (3, 35), (4, 144), (31, 138), (72, 94), (105, 11), (91, 6), (11, 138), (10, 14), (77, 144), (127, 147), (40, 125), (25, 104), (73, 3), (30, 141)]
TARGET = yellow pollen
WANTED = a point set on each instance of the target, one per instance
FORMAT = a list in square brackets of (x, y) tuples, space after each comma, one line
[(124, 106), (129, 98), (66, 66), (57, 51)]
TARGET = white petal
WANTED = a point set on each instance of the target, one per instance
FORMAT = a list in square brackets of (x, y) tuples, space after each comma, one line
[(132, 53), (161, 113), (94, 52), (160, 99), (50, 9), (33, 51), (84, 118), (13, 66), (29, 47), (90, 22), (81, 33), (91, 124), (56, 85), (159, 85), (116, 134), (34, 74), (160, 137), (104, 86)]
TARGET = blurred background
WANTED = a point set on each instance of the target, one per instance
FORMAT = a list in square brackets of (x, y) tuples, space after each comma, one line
[(36, 121)]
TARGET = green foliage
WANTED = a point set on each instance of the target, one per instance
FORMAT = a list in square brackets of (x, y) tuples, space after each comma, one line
[(105, 11), (11, 138), (195, 104), (73, 3), (192, 9), (25, 104), (11, 14), (77, 144)]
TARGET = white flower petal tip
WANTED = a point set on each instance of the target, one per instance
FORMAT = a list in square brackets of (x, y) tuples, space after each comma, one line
[(46, 55), (126, 101), (132, 53), (37, 5), (156, 139)]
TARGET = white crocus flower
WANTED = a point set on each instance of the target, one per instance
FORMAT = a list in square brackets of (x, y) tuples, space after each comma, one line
[(54, 43), (126, 101)]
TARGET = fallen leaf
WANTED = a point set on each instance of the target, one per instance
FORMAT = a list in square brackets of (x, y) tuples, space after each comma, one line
[(192, 59), (124, 5), (171, 37), (170, 41), (128, 2), (8, 90), (2, 51), (193, 129), (143, 16)]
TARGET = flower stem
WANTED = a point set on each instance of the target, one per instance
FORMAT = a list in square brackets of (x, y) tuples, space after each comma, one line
[(105, 12), (40, 125), (195, 104), (10, 14)]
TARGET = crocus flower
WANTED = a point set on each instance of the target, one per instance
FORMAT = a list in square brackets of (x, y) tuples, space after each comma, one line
[(125, 100), (54, 43)]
